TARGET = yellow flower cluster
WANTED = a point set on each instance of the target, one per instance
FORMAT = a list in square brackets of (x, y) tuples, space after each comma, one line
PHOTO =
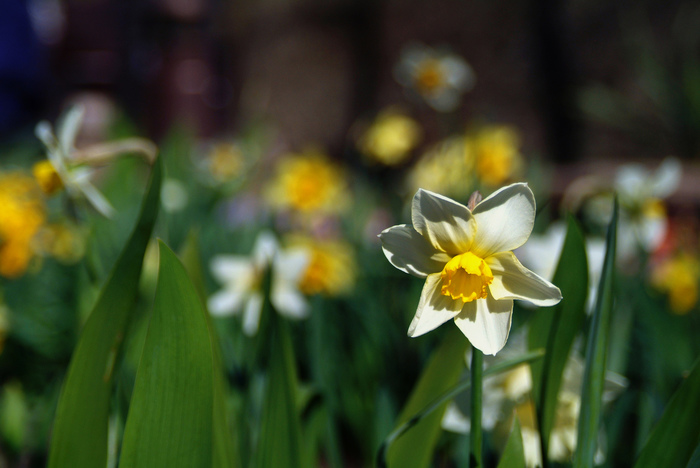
[(22, 215), (678, 277), (308, 183), (332, 268), (390, 138), (495, 150)]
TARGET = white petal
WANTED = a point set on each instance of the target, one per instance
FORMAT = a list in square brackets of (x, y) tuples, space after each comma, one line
[(434, 309), (511, 280), (251, 314), (486, 323), (44, 132), (666, 179), (448, 225), (410, 252), (291, 264), (264, 249), (288, 301), (504, 220), (68, 129), (225, 302), (230, 269), (97, 200)]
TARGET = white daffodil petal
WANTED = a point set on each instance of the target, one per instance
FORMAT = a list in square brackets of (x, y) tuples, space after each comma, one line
[(289, 301), (504, 219), (44, 132), (410, 252), (448, 225), (291, 264), (97, 200), (225, 302), (511, 280), (666, 178), (486, 323), (230, 268), (264, 249), (251, 314), (68, 129), (434, 308)]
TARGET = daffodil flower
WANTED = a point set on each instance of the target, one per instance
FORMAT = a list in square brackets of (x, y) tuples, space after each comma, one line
[(242, 278), (72, 168), (465, 255)]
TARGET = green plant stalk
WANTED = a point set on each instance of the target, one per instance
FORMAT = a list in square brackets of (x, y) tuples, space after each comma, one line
[(475, 434)]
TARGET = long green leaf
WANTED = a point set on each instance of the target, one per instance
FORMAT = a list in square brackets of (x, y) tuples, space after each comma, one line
[(596, 353), (555, 328), (171, 413), (225, 448), (416, 448), (80, 428), (513, 455), (280, 441), (677, 433)]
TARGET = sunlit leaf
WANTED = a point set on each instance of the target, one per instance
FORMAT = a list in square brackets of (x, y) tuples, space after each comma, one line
[(596, 353), (555, 328), (80, 428), (280, 441), (171, 414), (513, 455)]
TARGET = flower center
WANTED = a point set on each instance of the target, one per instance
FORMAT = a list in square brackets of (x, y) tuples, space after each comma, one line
[(466, 277), (429, 76), (47, 177)]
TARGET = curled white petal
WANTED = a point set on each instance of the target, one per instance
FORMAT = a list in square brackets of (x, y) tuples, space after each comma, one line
[(486, 323), (288, 301), (448, 225), (511, 280), (68, 129), (434, 309), (504, 220), (225, 302), (410, 252)]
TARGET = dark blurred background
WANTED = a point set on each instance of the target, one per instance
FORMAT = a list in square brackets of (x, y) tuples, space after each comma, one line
[(586, 81)]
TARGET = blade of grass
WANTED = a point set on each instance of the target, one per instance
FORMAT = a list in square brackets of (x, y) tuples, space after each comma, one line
[(475, 436), (171, 413), (596, 353), (677, 433), (80, 428), (514, 454), (556, 328)]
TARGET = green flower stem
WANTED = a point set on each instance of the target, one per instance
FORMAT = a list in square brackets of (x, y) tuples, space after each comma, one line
[(475, 435)]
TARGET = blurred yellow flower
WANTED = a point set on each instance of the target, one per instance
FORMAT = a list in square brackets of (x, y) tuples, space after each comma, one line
[(308, 182), (64, 241), (332, 269), (678, 277), (444, 168), (225, 162), (496, 154), (46, 176), (390, 138), (22, 213)]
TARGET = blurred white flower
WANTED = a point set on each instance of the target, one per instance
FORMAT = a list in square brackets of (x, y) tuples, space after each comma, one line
[(509, 393), (72, 168), (242, 279), (438, 76), (471, 274)]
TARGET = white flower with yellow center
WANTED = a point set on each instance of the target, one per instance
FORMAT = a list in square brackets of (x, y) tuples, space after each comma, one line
[(242, 278), (465, 255), (72, 168)]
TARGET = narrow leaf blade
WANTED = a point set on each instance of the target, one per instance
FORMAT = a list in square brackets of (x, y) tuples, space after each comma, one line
[(596, 353), (171, 414), (513, 455), (80, 427)]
